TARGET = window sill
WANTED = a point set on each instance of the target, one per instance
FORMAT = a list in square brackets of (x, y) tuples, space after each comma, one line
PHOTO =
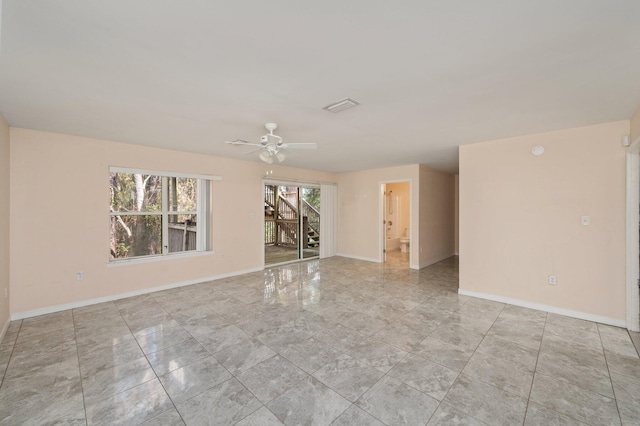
[(160, 258)]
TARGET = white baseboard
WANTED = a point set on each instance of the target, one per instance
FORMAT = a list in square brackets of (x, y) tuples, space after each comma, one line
[(435, 260), (4, 329), (412, 266), (546, 308), (80, 304), (366, 259)]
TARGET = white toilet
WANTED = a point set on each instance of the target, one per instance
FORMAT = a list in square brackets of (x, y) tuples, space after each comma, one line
[(404, 241)]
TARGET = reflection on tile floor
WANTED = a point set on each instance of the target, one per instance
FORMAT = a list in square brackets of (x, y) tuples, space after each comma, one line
[(337, 341)]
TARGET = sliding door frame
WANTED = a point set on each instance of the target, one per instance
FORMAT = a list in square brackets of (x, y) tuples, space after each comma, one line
[(299, 185)]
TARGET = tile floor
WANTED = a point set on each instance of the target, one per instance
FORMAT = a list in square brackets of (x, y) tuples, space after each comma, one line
[(337, 341)]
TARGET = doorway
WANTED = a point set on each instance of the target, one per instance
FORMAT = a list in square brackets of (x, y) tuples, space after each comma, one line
[(291, 223), (396, 222), (633, 237)]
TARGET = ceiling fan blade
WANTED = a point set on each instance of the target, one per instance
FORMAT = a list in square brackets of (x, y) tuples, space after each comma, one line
[(300, 145), (253, 151), (243, 143)]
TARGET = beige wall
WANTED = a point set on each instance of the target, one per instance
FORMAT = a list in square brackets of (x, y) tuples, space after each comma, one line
[(635, 126), (4, 223), (520, 220), (359, 219), (437, 215), (432, 213), (60, 221), (457, 215)]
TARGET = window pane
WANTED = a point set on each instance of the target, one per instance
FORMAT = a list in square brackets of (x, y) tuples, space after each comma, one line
[(182, 236), (183, 218), (182, 194), (132, 192), (136, 236), (165, 219)]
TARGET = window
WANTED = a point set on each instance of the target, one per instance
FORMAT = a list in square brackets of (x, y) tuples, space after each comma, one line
[(157, 214)]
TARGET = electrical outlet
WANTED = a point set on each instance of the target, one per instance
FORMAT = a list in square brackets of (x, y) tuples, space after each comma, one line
[(553, 280), (80, 276)]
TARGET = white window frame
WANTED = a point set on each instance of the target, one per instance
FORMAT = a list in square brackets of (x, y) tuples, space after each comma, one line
[(202, 212)]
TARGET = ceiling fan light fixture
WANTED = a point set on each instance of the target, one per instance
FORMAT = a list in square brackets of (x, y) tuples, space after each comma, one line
[(341, 105), (281, 156), (266, 157)]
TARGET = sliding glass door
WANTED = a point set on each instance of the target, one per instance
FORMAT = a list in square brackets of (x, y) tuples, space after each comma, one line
[(310, 221), (291, 223)]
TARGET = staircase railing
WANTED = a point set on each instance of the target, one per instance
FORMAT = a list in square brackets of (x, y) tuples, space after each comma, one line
[(270, 236), (288, 232), (312, 214), (269, 196), (286, 210)]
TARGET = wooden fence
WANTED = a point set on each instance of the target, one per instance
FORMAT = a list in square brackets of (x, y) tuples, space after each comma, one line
[(182, 237)]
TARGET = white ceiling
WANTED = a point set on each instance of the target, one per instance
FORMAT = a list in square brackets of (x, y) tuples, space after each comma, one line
[(431, 75)]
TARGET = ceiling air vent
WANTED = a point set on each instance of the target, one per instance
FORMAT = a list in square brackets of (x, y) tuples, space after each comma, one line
[(342, 105)]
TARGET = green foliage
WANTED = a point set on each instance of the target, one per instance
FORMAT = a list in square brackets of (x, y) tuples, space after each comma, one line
[(124, 196), (312, 196), (121, 250), (183, 194), (141, 235)]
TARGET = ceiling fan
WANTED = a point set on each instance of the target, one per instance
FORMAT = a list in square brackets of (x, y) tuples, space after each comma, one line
[(271, 146)]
